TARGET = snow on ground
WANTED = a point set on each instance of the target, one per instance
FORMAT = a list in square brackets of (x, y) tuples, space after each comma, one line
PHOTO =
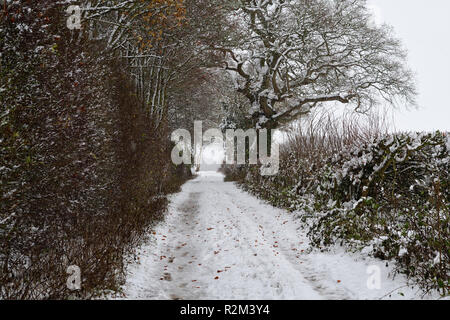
[(218, 242)]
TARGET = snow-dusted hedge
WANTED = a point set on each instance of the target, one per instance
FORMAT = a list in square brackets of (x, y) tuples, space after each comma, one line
[(83, 172), (391, 195)]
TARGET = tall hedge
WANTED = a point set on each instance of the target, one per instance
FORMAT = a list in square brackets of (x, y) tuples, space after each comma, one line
[(83, 171)]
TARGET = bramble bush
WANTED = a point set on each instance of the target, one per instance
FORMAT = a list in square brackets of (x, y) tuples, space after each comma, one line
[(392, 195), (366, 189)]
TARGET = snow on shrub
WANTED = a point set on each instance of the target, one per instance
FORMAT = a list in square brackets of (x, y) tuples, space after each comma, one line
[(83, 172), (389, 194), (392, 195)]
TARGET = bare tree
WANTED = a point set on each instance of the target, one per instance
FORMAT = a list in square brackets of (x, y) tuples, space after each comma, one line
[(294, 55), (162, 44)]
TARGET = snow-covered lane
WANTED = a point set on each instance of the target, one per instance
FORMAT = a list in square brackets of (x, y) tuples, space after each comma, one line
[(218, 242)]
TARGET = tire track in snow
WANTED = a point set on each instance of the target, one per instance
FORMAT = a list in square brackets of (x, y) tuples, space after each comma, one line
[(287, 244), (220, 243)]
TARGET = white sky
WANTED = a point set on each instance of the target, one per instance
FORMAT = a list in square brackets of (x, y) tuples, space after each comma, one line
[(424, 27)]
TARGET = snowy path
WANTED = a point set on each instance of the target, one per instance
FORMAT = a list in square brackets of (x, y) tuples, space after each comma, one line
[(220, 243)]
